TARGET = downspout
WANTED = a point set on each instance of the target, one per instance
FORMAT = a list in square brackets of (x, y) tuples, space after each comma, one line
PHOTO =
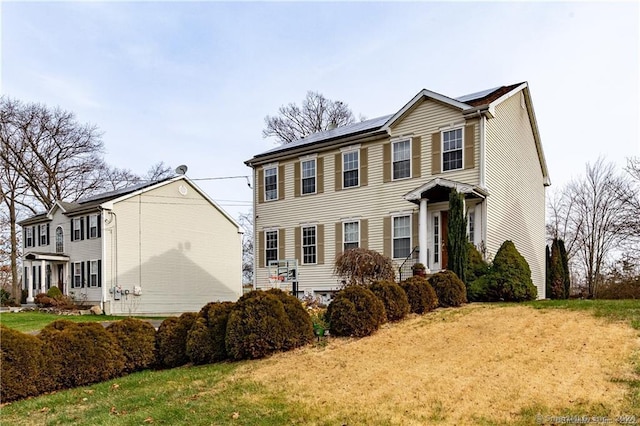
[(103, 299), (255, 232)]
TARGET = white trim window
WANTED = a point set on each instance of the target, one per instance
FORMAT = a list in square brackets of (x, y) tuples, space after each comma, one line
[(93, 226), (28, 237), (436, 239), (43, 235), (401, 236), (401, 159), (350, 169), (351, 235), (452, 144), (271, 184), (308, 176), (77, 228), (59, 240), (77, 275), (309, 247), (270, 246), (471, 223), (93, 273)]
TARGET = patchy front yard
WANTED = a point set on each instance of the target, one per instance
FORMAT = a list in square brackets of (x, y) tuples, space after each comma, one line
[(480, 364)]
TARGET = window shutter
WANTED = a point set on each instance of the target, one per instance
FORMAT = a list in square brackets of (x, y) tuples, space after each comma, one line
[(72, 233), (281, 182), (436, 151), (320, 244), (297, 179), (82, 274), (338, 167), (416, 151), (364, 233), (414, 230), (260, 187), (364, 166), (260, 242), (469, 146), (34, 237), (297, 235), (24, 238), (99, 273), (386, 235), (281, 244), (339, 245), (88, 226), (26, 278), (320, 175), (386, 162), (38, 236), (48, 238), (82, 228), (99, 225)]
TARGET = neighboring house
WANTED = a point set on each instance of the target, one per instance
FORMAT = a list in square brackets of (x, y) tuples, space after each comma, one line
[(157, 248), (384, 184)]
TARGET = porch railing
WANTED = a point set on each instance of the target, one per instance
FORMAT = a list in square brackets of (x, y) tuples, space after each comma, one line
[(404, 270)]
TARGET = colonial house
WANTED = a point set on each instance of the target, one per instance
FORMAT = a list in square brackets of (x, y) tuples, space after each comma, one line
[(384, 184), (161, 247)]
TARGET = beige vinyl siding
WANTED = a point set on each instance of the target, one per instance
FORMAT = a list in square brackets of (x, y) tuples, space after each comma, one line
[(516, 204), (370, 203), (179, 248)]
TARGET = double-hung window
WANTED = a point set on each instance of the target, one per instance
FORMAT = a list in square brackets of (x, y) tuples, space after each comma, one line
[(43, 235), (309, 176), (309, 248), (351, 168), (271, 246), (93, 226), (401, 159), (452, 149), (28, 237), (77, 274), (77, 228), (351, 235), (59, 240), (401, 236), (93, 273), (271, 183)]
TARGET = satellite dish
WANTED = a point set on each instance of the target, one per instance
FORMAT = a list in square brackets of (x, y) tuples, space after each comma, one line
[(181, 169)]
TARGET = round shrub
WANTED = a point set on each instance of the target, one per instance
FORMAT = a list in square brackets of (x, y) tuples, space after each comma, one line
[(22, 365), (510, 276), (171, 340), (137, 339), (206, 339), (258, 326), (394, 299), (355, 311), (302, 326), (450, 289), (54, 292), (422, 298), (79, 354)]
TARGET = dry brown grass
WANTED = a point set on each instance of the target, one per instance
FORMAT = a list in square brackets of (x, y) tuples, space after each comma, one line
[(461, 366)]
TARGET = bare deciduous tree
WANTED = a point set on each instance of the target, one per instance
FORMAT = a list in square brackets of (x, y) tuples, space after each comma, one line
[(246, 221), (316, 114)]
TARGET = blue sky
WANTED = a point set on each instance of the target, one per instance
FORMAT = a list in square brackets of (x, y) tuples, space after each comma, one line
[(191, 82)]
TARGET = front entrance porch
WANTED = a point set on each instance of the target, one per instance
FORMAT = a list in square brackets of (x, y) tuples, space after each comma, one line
[(433, 199), (43, 270)]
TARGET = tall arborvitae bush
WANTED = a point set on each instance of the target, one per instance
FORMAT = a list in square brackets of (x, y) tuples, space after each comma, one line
[(556, 278), (565, 266), (457, 235), (547, 271)]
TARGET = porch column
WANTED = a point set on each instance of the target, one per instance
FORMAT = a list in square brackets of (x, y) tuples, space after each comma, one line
[(43, 276), (422, 232), (30, 283)]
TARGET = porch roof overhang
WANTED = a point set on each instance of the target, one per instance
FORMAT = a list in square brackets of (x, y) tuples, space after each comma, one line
[(438, 189), (56, 257)]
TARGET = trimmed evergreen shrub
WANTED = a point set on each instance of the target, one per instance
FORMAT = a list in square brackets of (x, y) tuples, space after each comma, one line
[(258, 326), (394, 299), (137, 339), (355, 311), (54, 292), (422, 297), (21, 366), (450, 290), (457, 235), (510, 276), (206, 339), (79, 354), (171, 340), (302, 326)]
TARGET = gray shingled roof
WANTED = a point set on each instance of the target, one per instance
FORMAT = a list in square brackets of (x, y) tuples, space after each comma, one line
[(361, 127)]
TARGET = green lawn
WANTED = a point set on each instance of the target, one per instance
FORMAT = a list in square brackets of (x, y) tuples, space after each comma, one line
[(615, 310), (34, 321)]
